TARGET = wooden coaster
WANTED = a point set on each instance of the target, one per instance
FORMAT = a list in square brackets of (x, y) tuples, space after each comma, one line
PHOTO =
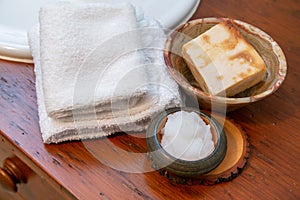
[(234, 161), (238, 150)]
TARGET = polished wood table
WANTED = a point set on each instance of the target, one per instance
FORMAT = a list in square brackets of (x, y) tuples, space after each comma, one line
[(70, 171)]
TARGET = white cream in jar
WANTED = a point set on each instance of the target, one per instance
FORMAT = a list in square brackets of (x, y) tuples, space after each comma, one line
[(186, 136)]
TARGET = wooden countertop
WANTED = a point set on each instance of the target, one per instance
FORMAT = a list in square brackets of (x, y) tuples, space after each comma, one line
[(273, 125)]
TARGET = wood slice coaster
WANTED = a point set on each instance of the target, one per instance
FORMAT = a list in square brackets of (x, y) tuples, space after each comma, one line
[(238, 150)]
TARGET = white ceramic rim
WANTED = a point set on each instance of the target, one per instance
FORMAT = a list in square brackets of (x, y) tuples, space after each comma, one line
[(14, 45)]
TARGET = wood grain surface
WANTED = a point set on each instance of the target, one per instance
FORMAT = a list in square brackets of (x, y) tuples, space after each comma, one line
[(75, 169)]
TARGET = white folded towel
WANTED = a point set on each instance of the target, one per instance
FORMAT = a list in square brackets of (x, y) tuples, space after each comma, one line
[(161, 91), (70, 33)]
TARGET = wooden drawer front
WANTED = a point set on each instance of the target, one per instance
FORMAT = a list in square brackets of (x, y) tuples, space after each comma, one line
[(33, 187)]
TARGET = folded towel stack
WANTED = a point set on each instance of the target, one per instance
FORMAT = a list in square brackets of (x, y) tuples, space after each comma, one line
[(96, 71)]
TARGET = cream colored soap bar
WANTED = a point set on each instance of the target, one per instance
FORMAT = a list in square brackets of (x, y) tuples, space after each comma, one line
[(223, 62)]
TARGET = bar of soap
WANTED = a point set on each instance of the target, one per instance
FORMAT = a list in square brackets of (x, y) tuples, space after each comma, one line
[(223, 62)]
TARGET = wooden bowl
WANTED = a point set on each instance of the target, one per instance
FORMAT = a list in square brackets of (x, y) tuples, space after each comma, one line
[(161, 159), (269, 50)]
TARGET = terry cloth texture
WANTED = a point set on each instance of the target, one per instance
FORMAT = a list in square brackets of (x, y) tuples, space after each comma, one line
[(99, 70)]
